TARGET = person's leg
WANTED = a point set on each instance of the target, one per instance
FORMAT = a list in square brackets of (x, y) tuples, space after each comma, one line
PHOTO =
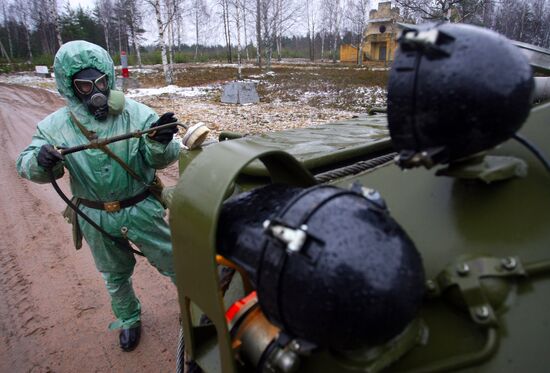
[(124, 302), (151, 234), (116, 265)]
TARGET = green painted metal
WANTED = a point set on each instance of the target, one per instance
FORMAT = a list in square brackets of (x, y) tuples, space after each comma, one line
[(194, 214), (451, 221), (488, 168)]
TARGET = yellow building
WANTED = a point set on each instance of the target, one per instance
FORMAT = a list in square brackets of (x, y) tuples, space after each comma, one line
[(348, 53), (380, 36)]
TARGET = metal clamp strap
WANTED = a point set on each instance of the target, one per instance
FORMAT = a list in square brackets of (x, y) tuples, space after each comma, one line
[(467, 275)]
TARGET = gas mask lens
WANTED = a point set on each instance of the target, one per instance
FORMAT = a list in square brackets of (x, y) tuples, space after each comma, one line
[(85, 87)]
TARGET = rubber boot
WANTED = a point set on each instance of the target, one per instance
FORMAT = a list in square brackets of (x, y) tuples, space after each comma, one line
[(129, 338)]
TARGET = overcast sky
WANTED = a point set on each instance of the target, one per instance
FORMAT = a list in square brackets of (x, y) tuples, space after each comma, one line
[(83, 3)]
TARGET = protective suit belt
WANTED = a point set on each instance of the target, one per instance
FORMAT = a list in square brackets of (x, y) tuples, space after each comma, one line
[(115, 205)]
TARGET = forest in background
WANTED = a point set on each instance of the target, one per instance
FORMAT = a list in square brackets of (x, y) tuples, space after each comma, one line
[(171, 31)]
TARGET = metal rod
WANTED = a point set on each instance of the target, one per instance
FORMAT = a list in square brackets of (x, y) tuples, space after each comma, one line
[(101, 142)]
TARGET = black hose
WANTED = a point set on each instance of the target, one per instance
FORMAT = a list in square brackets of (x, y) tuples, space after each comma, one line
[(121, 243), (533, 149)]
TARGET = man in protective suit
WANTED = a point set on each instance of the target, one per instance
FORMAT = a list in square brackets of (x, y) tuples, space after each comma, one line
[(105, 190)]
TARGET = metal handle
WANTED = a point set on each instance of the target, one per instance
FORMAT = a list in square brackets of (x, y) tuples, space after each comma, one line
[(102, 142)]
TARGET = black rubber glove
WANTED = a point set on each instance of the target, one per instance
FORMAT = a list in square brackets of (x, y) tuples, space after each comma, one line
[(164, 136), (48, 156)]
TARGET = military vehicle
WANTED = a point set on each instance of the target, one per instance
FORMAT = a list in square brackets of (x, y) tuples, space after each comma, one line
[(427, 250)]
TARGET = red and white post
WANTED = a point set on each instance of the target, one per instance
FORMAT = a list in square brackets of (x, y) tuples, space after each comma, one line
[(124, 63)]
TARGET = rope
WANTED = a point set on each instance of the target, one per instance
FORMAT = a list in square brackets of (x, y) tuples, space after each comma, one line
[(354, 169)]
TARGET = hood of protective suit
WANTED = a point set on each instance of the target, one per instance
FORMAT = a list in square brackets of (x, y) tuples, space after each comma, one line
[(75, 56)]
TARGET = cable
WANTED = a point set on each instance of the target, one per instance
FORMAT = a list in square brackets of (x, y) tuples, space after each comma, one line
[(180, 353), (123, 244), (533, 149), (354, 168)]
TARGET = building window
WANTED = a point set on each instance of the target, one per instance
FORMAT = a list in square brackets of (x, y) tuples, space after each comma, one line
[(382, 29)]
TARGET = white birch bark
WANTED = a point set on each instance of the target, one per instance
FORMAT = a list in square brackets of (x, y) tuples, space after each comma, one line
[(166, 68)]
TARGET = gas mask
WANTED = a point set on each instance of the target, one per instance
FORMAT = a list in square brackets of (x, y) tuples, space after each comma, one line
[(91, 86)]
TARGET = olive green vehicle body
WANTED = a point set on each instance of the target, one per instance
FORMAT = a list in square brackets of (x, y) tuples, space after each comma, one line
[(485, 246)]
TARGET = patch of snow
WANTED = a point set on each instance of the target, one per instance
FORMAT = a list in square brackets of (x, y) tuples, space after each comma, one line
[(30, 80), (260, 76), (142, 71), (24, 79), (171, 90)]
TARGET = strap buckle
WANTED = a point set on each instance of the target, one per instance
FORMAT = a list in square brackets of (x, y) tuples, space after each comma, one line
[(113, 206)]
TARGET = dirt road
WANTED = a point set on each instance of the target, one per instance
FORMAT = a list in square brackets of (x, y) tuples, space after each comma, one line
[(54, 309)]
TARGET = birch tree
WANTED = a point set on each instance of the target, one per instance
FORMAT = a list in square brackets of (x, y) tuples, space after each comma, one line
[(453, 10), (357, 12), (55, 17), (104, 11), (202, 16), (246, 10), (226, 27), (7, 26), (134, 19), (239, 10), (332, 13), (259, 41), (166, 68), (23, 8), (311, 15)]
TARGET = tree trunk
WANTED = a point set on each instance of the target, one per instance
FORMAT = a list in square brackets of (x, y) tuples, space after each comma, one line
[(136, 45), (133, 35), (119, 24), (245, 34), (322, 46), (334, 45), (279, 28), (267, 37), (28, 42), (259, 33), (310, 49), (225, 16), (360, 56), (170, 45), (165, 67), (56, 22), (7, 26), (3, 51), (313, 42), (171, 9), (238, 24), (226, 3), (196, 30), (106, 33)]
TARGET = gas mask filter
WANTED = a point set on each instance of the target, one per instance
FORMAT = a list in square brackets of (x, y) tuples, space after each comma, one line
[(91, 86)]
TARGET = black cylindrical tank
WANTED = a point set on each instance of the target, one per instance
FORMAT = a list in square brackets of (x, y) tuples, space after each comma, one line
[(455, 90), (330, 266)]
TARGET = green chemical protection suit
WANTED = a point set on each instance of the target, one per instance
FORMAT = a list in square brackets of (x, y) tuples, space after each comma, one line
[(95, 176)]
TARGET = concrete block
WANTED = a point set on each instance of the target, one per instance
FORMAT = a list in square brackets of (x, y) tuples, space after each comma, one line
[(240, 93)]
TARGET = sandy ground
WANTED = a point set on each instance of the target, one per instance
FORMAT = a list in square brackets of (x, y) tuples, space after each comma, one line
[(54, 309)]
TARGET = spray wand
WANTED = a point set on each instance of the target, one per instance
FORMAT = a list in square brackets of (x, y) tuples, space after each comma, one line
[(194, 137)]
